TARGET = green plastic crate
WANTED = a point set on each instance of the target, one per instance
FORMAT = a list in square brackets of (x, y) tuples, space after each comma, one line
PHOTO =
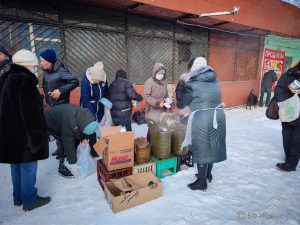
[(165, 164)]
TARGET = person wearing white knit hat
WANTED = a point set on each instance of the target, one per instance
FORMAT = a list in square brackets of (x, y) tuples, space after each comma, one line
[(94, 87), (27, 59), (23, 136), (97, 73), (202, 95)]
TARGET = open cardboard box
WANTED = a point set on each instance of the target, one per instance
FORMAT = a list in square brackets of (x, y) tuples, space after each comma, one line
[(146, 187), (117, 148)]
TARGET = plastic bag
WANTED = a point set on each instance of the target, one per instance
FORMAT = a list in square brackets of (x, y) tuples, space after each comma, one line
[(289, 110), (169, 121), (105, 122), (85, 165), (106, 119)]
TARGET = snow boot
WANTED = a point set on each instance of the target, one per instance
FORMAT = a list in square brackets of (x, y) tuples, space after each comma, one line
[(200, 183), (63, 170), (286, 167), (18, 202), (209, 176), (40, 201)]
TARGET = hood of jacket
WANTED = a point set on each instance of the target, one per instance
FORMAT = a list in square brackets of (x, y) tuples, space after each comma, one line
[(88, 76), (204, 74), (157, 67)]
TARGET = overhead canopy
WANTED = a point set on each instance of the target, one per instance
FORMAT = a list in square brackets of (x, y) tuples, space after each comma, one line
[(255, 18)]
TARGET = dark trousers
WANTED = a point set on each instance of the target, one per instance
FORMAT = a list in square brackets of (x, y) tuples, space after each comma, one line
[(262, 93), (291, 143), (125, 122)]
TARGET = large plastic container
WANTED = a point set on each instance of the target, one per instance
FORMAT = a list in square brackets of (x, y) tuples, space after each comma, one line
[(141, 151), (177, 138), (160, 142)]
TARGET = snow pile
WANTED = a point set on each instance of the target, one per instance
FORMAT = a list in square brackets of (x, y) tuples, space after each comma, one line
[(246, 189)]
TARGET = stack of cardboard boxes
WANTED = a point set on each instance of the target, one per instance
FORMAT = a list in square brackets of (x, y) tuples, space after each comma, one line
[(117, 151)]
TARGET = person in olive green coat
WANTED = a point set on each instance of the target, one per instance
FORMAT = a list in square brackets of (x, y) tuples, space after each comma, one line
[(206, 130), (69, 123)]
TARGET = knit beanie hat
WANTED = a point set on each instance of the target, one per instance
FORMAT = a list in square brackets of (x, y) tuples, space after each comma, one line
[(90, 128), (199, 63), (4, 51), (25, 58), (97, 72), (49, 55), (121, 73)]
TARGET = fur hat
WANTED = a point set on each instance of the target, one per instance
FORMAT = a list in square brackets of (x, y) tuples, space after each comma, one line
[(25, 58), (97, 72), (199, 63)]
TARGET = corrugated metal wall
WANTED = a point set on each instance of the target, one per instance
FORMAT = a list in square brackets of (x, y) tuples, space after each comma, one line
[(131, 43)]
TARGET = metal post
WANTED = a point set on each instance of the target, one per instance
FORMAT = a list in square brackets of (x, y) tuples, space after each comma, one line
[(62, 34), (175, 51), (127, 46)]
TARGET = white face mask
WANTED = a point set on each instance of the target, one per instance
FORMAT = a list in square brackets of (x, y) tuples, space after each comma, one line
[(159, 76)]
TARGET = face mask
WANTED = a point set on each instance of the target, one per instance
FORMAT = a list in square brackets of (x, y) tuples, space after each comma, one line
[(159, 76)]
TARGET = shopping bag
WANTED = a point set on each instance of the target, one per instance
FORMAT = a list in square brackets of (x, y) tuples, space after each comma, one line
[(272, 110), (85, 165), (289, 109)]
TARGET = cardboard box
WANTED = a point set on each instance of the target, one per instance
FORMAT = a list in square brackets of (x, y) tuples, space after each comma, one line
[(146, 187), (117, 148)]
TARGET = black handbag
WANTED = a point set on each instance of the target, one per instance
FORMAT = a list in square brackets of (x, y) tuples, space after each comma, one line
[(272, 110)]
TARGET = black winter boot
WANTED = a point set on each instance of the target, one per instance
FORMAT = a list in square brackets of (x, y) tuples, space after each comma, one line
[(63, 170), (200, 183), (209, 176), (18, 202), (286, 167), (38, 203)]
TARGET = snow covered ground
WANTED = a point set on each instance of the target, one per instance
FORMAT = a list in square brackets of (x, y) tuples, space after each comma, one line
[(246, 189)]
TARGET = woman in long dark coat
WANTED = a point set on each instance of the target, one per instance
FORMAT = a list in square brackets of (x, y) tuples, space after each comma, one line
[(206, 131), (23, 136)]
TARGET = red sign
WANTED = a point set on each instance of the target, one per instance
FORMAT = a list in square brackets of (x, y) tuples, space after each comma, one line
[(273, 60)]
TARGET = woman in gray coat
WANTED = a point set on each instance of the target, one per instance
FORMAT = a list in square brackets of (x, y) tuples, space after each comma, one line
[(206, 131)]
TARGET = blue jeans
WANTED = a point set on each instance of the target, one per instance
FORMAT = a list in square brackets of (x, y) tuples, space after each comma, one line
[(23, 177), (123, 122)]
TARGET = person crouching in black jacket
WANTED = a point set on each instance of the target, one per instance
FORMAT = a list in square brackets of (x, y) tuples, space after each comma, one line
[(121, 92)]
